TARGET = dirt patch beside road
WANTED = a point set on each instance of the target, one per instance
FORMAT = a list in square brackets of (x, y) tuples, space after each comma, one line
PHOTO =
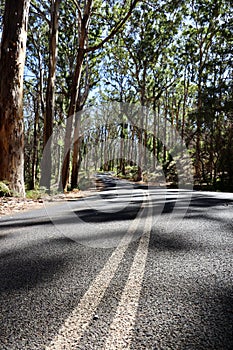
[(13, 205)]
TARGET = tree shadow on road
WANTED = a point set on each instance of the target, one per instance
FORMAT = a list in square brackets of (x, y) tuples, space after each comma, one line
[(191, 202)]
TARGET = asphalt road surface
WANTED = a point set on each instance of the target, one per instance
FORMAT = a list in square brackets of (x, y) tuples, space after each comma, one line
[(129, 267)]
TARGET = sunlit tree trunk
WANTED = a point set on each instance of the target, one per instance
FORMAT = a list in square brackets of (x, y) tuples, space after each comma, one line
[(12, 61)]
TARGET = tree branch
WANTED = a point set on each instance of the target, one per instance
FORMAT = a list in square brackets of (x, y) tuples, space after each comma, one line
[(79, 9), (115, 30), (40, 13)]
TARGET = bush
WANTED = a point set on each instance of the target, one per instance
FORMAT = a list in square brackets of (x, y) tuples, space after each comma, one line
[(37, 193), (33, 194), (4, 189)]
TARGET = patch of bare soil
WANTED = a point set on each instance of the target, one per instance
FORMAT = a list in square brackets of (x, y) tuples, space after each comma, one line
[(13, 205)]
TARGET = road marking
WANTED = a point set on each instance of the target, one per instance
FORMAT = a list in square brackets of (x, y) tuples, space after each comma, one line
[(120, 331), (75, 325)]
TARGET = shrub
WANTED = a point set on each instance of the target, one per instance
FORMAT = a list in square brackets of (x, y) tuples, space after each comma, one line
[(4, 189)]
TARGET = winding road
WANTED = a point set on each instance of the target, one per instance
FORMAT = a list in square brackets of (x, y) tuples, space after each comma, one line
[(129, 267)]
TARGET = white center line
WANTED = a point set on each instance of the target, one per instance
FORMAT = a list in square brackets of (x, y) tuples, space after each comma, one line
[(75, 325), (120, 331)]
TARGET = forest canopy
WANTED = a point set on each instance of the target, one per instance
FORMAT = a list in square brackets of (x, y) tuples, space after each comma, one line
[(174, 58)]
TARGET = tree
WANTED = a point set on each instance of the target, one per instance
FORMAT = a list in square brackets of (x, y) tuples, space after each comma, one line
[(141, 66), (208, 57), (84, 18), (50, 94), (12, 61)]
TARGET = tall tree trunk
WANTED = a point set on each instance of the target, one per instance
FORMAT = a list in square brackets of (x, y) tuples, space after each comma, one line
[(35, 144), (198, 138), (69, 123), (12, 61), (83, 21), (165, 128), (50, 96), (76, 160)]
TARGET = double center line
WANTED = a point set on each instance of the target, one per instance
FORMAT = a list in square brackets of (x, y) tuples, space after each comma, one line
[(120, 331)]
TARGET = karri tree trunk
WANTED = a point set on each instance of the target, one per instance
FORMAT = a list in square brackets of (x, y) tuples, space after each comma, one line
[(76, 161), (50, 96), (12, 61), (35, 145)]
